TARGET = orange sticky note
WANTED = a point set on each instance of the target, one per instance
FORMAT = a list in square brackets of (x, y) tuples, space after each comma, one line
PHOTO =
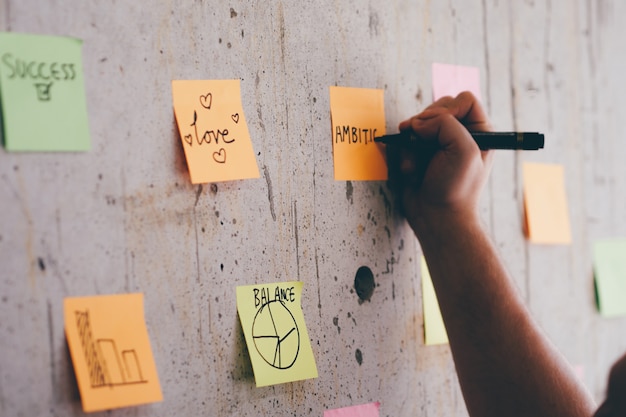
[(547, 216), (358, 116), (110, 350), (213, 130)]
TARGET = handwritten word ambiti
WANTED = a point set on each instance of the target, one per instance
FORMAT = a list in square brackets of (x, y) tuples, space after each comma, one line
[(352, 134)]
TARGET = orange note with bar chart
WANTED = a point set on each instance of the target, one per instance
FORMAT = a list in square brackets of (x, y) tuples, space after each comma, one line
[(110, 350)]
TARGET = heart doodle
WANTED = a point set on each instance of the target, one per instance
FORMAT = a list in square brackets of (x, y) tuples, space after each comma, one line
[(206, 101), (189, 139), (235, 117), (220, 156)]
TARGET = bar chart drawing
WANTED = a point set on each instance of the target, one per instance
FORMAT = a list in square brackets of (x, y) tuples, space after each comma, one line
[(108, 366)]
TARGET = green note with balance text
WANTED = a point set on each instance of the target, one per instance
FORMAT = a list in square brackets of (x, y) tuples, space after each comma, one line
[(42, 93)]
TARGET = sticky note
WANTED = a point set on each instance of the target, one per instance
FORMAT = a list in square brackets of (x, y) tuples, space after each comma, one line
[(213, 130), (110, 350), (545, 202), (275, 332), (42, 93), (434, 328), (579, 370), (609, 264), (358, 116), (450, 80), (365, 410)]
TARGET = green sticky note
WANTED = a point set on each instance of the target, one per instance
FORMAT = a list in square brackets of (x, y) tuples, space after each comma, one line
[(42, 93), (609, 263)]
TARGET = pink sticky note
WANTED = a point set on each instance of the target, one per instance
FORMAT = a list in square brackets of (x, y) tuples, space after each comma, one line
[(365, 410), (450, 80), (579, 370)]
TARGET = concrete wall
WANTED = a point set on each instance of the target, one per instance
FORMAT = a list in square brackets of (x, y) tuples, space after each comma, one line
[(125, 218)]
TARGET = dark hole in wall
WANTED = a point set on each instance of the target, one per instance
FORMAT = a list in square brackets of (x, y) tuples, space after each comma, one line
[(364, 283), (359, 356)]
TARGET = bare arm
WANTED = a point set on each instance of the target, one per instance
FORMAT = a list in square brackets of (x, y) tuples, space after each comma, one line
[(506, 366)]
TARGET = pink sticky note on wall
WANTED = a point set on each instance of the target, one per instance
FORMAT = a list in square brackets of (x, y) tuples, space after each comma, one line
[(579, 370), (365, 410), (450, 80)]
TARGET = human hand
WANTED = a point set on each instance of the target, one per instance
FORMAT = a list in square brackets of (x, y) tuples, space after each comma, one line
[(442, 179)]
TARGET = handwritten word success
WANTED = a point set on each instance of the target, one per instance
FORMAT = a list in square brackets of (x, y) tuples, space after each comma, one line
[(213, 130), (43, 74), (358, 116)]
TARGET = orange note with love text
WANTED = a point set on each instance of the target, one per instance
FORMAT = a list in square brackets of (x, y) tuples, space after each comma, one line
[(213, 130)]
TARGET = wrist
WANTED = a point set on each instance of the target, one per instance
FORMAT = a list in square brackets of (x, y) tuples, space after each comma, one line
[(437, 224)]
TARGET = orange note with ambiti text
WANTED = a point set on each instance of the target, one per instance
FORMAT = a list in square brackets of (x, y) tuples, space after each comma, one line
[(358, 116)]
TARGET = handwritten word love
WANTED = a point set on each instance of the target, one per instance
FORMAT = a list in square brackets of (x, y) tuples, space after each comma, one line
[(210, 136)]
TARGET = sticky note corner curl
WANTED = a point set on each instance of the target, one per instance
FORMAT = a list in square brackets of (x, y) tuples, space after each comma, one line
[(357, 117), (110, 350), (213, 130), (275, 332)]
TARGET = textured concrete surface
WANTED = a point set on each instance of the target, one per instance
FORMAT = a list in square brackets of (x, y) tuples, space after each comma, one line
[(125, 218)]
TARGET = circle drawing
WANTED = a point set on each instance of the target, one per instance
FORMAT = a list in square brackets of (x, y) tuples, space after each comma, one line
[(276, 335)]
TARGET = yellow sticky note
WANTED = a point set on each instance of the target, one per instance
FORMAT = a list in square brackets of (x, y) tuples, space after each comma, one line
[(275, 332), (110, 350), (434, 328), (547, 216), (213, 130), (358, 116)]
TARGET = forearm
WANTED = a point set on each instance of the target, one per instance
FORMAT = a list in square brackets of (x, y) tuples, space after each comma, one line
[(505, 365)]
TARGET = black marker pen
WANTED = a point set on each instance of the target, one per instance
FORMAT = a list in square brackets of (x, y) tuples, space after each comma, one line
[(486, 140)]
